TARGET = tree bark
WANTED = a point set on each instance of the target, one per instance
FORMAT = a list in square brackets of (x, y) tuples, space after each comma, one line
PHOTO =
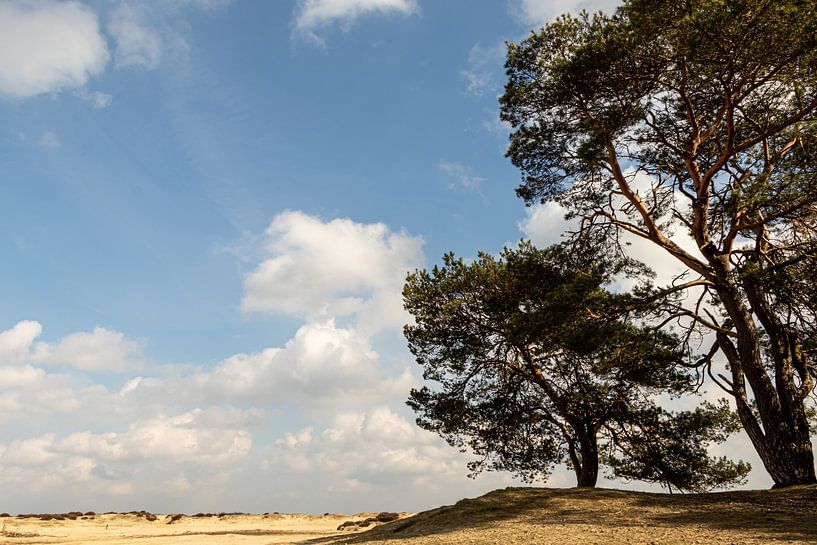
[(587, 472), (778, 428)]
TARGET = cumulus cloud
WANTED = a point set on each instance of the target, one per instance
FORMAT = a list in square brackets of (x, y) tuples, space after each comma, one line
[(100, 350), (322, 369), (368, 452), (47, 46), (331, 269), (322, 362), (28, 392), (317, 413), (152, 455), (29, 452), (208, 437), (376, 446), (536, 12), (16, 342), (311, 15)]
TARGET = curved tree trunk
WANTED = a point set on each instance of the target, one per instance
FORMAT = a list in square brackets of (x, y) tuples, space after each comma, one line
[(778, 427)]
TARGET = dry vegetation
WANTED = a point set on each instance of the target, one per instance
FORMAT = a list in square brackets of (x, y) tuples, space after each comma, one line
[(514, 515)]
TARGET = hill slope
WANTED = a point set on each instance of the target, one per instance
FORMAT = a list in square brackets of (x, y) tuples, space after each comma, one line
[(599, 516)]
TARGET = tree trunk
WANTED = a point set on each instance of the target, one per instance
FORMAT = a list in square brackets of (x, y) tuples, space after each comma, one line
[(781, 437), (587, 472)]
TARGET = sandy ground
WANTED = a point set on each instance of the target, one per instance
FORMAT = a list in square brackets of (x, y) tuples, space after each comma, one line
[(512, 516), (537, 516), (109, 529)]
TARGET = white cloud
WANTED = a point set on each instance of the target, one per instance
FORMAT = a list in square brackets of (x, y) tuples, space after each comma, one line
[(320, 361), (372, 449), (97, 99), (337, 268), (200, 437), (545, 224), (536, 12), (47, 46), (311, 15), (100, 350), (314, 424), (16, 342), (322, 369), (28, 392), (151, 455), (29, 452)]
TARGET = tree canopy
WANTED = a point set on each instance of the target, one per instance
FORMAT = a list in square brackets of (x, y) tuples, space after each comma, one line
[(529, 362), (696, 116)]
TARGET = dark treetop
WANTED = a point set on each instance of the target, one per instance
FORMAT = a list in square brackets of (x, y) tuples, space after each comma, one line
[(696, 116), (530, 362)]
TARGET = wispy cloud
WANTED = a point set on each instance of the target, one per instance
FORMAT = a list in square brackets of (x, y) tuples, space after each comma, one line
[(145, 32), (463, 178), (96, 99), (484, 68), (311, 15), (138, 44)]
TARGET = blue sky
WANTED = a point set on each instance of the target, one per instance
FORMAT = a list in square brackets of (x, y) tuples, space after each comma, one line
[(209, 207), (201, 147)]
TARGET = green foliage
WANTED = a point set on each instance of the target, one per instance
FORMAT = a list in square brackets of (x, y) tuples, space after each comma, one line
[(630, 81), (694, 116), (529, 361), (671, 448)]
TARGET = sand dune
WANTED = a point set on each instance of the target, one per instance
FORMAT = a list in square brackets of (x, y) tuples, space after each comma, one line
[(543, 516), (512, 516), (136, 529)]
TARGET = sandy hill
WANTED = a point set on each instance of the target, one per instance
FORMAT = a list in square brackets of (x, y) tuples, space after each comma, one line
[(544, 516), (529, 516)]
